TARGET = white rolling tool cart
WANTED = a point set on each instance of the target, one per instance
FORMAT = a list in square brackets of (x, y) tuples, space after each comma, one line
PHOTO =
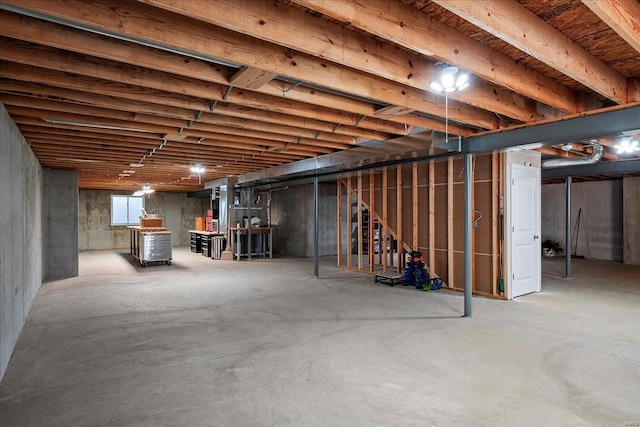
[(151, 245)]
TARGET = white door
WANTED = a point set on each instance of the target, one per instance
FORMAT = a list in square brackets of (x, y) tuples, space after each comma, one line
[(525, 230)]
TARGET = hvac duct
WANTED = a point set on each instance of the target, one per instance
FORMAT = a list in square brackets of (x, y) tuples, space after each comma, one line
[(595, 157)]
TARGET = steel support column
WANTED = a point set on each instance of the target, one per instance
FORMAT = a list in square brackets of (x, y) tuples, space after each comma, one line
[(315, 226), (567, 273), (249, 226), (468, 219)]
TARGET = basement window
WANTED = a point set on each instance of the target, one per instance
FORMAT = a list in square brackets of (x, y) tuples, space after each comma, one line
[(126, 210)]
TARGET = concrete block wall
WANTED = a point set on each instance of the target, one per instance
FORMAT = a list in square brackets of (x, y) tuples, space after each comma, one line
[(60, 224), (292, 215), (177, 211), (601, 224), (21, 183)]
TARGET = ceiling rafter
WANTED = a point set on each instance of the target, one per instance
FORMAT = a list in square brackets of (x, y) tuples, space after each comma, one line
[(513, 23), (266, 20), (195, 36), (621, 15), (401, 24)]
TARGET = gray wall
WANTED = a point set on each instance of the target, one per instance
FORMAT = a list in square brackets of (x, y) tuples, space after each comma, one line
[(601, 222), (177, 211), (631, 209), (292, 215), (20, 234), (60, 224)]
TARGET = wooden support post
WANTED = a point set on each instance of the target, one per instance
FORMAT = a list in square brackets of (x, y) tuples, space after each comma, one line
[(495, 223), (432, 216), (450, 257), (385, 218), (372, 199), (399, 215), (414, 193), (473, 230)]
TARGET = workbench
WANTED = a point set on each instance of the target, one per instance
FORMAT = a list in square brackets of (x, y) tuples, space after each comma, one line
[(260, 246)]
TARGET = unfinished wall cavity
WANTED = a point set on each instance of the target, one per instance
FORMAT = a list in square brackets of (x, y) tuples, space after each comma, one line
[(386, 212)]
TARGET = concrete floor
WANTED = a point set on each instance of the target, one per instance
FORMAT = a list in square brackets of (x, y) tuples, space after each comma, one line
[(222, 343)]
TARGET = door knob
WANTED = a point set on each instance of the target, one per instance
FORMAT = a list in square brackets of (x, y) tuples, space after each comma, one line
[(535, 237)]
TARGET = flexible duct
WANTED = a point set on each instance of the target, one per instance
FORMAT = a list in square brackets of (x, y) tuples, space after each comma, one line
[(595, 157)]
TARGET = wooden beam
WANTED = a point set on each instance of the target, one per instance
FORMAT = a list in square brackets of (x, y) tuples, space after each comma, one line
[(512, 22), (432, 214), (60, 37), (450, 252), (418, 32), (300, 31), (372, 198), (399, 218), (81, 65), (495, 223), (634, 89), (251, 78), (195, 36), (88, 111), (415, 207), (623, 16), (392, 111), (385, 218)]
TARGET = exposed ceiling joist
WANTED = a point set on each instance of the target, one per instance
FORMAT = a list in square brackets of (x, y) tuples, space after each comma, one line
[(266, 21), (183, 34), (98, 85), (621, 15), (513, 23), (251, 78), (401, 24)]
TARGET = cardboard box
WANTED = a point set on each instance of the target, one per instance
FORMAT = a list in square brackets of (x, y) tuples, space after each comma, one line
[(151, 222)]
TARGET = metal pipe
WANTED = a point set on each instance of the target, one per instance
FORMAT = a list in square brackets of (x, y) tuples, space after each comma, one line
[(315, 226), (468, 213), (249, 226), (567, 273), (595, 157)]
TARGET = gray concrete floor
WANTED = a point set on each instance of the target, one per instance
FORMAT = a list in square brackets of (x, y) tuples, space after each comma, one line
[(222, 343)]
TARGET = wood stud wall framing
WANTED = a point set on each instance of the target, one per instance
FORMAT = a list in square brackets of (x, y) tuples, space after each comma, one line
[(419, 206)]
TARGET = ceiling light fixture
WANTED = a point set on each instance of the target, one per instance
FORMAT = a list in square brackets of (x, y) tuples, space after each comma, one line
[(146, 189), (199, 170), (627, 146), (451, 80)]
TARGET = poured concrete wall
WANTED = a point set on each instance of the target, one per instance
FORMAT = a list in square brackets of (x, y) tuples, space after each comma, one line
[(20, 234), (631, 225), (292, 214), (601, 221), (60, 224), (177, 211)]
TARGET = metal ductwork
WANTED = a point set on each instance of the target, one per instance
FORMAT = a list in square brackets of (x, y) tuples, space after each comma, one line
[(595, 157)]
